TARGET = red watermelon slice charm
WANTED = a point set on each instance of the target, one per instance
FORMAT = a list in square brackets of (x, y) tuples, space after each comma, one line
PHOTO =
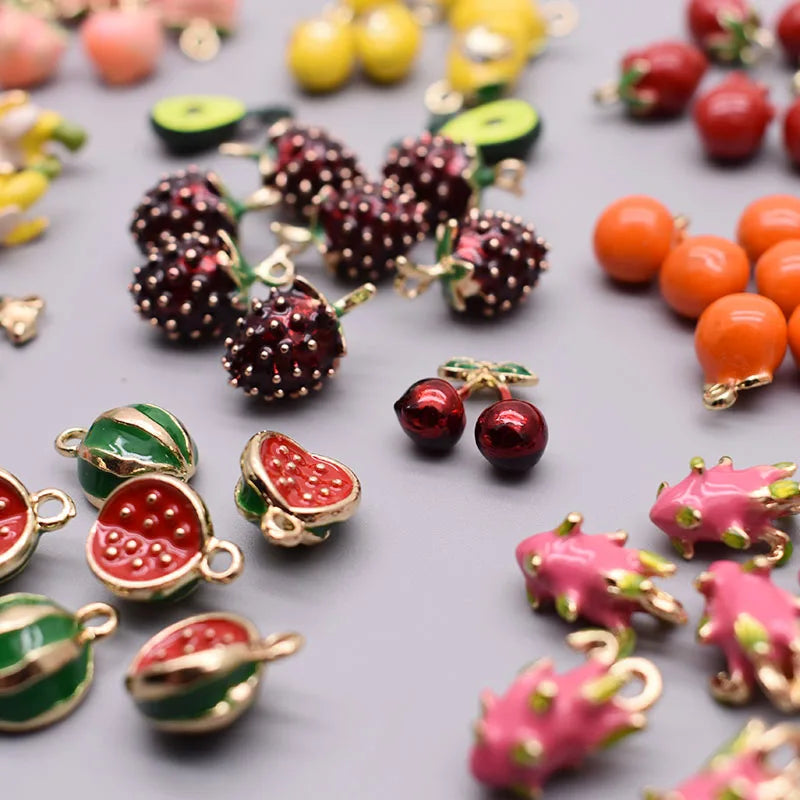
[(295, 496), (21, 524), (202, 673), (154, 540)]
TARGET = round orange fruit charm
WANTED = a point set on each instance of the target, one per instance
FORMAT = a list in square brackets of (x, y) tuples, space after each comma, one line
[(778, 275), (767, 221)]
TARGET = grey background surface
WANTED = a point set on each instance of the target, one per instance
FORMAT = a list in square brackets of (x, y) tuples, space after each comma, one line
[(418, 604)]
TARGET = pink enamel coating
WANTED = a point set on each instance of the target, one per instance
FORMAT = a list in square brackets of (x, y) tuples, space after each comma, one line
[(726, 499), (222, 14), (30, 48), (746, 770)]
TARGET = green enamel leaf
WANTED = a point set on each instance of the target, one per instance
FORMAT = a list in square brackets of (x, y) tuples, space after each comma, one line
[(679, 547), (249, 501), (784, 489), (533, 600), (618, 736), (655, 563), (603, 689), (445, 243), (705, 620), (688, 517), (465, 364), (510, 368), (457, 270), (543, 697), (568, 525), (750, 633), (566, 608), (729, 793), (736, 538), (527, 753), (787, 465), (629, 583), (626, 638)]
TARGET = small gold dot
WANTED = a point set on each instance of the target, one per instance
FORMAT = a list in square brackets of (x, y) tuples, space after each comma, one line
[(156, 548), (5, 530), (297, 458), (160, 655), (228, 638), (3, 504), (166, 559), (169, 513), (113, 536), (137, 563), (112, 552), (325, 492), (180, 533), (308, 496), (283, 450), (276, 462), (187, 633), (320, 467), (148, 523), (152, 498), (125, 512), (313, 480), (209, 633), (337, 482), (291, 466), (131, 546), (189, 649)]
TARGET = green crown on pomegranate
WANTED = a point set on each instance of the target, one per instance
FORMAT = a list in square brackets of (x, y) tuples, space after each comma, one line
[(126, 442)]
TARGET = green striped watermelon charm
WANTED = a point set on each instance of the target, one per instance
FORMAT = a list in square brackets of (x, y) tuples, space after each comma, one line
[(46, 661), (202, 673), (295, 496), (125, 442), (21, 524)]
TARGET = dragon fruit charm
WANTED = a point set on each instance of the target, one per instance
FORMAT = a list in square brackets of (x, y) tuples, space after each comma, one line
[(742, 770), (735, 506), (596, 577), (548, 722), (756, 624)]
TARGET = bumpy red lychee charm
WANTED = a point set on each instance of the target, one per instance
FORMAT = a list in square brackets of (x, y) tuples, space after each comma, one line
[(548, 722), (295, 496), (153, 540), (596, 577), (487, 263), (756, 624), (735, 506)]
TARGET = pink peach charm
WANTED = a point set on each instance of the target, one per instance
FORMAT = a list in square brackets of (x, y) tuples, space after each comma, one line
[(723, 504), (548, 722), (124, 44), (596, 577), (756, 624), (221, 14), (30, 48), (742, 769)]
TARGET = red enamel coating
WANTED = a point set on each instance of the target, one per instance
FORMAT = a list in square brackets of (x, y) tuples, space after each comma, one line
[(13, 516), (126, 549), (193, 637), (301, 477)]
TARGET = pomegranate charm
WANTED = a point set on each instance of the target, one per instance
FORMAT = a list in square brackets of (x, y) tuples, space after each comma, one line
[(295, 496), (597, 578), (548, 722), (737, 507)]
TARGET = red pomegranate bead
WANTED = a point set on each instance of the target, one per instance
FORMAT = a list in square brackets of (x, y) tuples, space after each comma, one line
[(728, 30), (511, 435), (733, 117), (791, 132), (788, 31), (431, 413)]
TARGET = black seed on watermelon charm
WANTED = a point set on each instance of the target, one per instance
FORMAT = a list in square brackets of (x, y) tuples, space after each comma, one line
[(488, 264), (289, 343)]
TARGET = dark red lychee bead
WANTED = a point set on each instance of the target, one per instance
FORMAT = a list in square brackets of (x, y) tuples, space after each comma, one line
[(302, 160), (285, 345), (185, 289), (367, 227), (439, 171), (432, 414), (511, 435), (189, 201)]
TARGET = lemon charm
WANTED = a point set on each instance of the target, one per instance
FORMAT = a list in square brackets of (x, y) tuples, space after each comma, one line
[(387, 40)]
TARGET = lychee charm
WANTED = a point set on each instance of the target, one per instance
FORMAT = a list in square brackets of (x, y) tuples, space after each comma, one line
[(295, 496), (21, 524), (723, 504), (202, 673), (596, 577), (548, 722)]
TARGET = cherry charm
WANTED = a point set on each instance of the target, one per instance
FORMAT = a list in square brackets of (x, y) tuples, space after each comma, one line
[(729, 31), (431, 412)]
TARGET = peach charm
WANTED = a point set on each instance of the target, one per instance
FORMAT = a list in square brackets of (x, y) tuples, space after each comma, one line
[(30, 48)]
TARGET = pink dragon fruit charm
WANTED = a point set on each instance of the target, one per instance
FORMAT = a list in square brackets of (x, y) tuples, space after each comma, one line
[(742, 769), (735, 506), (548, 722), (756, 624)]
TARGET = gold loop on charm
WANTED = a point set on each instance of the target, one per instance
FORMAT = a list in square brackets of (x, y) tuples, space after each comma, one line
[(769, 742), (441, 98), (63, 440), (641, 669), (280, 527), (509, 175), (663, 605), (411, 280), (598, 644), (56, 521), (200, 40), (278, 269), (233, 570), (93, 633), (562, 18), (278, 645)]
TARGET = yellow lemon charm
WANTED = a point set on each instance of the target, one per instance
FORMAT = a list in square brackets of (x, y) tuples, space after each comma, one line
[(388, 41), (322, 54)]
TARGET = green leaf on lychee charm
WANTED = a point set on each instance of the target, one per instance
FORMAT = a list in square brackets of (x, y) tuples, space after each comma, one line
[(543, 696), (736, 538), (784, 489), (750, 633), (688, 517), (629, 584), (566, 608), (601, 690), (655, 563)]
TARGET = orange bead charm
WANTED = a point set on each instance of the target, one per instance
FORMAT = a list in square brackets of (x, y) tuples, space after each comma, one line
[(794, 336), (767, 221), (633, 236), (700, 270), (740, 341), (778, 275)]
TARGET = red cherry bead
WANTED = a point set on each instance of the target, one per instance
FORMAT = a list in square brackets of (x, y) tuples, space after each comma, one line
[(713, 25), (432, 414), (791, 132), (788, 31), (511, 435)]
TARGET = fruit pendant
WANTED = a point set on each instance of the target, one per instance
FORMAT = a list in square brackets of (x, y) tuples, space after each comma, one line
[(767, 221), (756, 625), (19, 317), (597, 578), (153, 540), (548, 722), (788, 33), (202, 673), (21, 524), (740, 342), (729, 31), (127, 442), (656, 81), (487, 263), (295, 496), (446, 175), (744, 769), (46, 659), (31, 48), (737, 507), (201, 24)]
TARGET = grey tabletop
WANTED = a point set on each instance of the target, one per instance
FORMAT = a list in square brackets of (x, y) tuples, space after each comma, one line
[(418, 604)]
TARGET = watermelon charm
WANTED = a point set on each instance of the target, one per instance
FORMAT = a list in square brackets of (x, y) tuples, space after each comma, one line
[(202, 673), (21, 524), (548, 722), (46, 661), (126, 442), (744, 770), (153, 540), (735, 506), (596, 577), (295, 496)]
